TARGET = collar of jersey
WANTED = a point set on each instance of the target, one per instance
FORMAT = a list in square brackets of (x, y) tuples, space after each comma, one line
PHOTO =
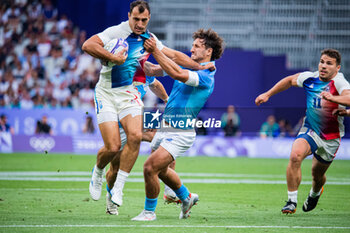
[(204, 63)]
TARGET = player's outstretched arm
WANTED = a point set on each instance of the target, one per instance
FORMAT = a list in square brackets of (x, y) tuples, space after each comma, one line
[(184, 60), (341, 112), (282, 85), (94, 47), (170, 67), (158, 89), (343, 98), (153, 70)]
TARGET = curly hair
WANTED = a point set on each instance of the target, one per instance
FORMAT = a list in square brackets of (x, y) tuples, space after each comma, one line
[(211, 40)]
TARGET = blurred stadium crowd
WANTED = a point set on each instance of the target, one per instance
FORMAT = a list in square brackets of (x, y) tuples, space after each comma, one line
[(41, 61)]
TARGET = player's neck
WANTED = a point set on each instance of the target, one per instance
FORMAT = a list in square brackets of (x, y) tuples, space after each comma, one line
[(200, 61), (328, 79)]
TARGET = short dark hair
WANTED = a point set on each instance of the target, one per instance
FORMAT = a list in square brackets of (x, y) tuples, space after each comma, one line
[(211, 40), (333, 53), (141, 4)]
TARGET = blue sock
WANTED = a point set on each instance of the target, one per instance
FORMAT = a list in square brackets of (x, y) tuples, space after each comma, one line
[(108, 190), (182, 193), (151, 204)]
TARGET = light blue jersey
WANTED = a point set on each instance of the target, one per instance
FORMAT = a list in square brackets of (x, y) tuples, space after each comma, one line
[(185, 102)]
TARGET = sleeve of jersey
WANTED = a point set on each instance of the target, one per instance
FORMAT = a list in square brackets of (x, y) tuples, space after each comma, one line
[(199, 79), (150, 80), (109, 34), (303, 76), (341, 84), (159, 44)]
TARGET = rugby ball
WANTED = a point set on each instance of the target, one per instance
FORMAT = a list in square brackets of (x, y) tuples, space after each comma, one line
[(115, 46)]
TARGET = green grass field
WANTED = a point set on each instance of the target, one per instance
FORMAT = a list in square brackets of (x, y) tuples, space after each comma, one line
[(49, 193)]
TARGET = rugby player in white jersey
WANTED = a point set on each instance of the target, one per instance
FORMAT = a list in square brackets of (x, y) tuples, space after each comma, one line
[(189, 94), (117, 100)]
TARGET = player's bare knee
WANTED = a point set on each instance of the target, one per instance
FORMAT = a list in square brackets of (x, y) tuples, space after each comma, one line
[(296, 157), (148, 169), (113, 148), (135, 137)]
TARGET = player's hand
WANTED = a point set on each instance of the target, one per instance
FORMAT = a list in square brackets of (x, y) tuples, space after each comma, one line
[(327, 96), (210, 66), (340, 112), (120, 57), (150, 45), (263, 98)]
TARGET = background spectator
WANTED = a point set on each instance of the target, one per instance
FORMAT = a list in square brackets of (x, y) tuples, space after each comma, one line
[(89, 127), (285, 128), (41, 58), (4, 126), (269, 128), (43, 127), (230, 121)]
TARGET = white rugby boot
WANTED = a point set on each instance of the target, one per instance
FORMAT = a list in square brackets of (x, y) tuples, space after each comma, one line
[(96, 182), (187, 205), (145, 215), (170, 196), (112, 209)]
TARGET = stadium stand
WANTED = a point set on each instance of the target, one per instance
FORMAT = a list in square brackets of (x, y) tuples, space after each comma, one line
[(41, 62), (298, 28)]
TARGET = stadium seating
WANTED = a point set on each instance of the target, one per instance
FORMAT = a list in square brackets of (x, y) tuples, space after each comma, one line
[(298, 28)]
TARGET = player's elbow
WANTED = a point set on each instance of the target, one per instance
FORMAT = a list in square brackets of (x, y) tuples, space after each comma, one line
[(180, 76), (86, 46)]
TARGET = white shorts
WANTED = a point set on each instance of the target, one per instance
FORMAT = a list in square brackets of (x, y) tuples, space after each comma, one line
[(176, 143), (323, 150), (113, 104)]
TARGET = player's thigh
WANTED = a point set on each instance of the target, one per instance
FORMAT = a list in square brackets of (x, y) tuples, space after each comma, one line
[(132, 124), (110, 134), (300, 149), (318, 169), (158, 160)]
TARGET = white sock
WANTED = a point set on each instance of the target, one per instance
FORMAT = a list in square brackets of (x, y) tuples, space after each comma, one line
[(98, 170), (121, 179), (315, 194), (293, 196)]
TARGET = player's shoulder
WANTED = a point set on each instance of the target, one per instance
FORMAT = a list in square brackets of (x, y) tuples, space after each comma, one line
[(308, 74), (122, 27), (339, 78)]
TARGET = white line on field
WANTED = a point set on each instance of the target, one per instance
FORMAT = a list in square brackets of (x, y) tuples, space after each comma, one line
[(62, 189), (181, 174), (193, 181), (171, 226)]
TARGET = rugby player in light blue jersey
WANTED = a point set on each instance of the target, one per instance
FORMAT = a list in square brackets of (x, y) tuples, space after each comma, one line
[(327, 94), (189, 94), (116, 99)]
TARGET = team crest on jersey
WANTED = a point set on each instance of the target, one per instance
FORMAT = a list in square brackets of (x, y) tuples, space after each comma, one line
[(327, 88)]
